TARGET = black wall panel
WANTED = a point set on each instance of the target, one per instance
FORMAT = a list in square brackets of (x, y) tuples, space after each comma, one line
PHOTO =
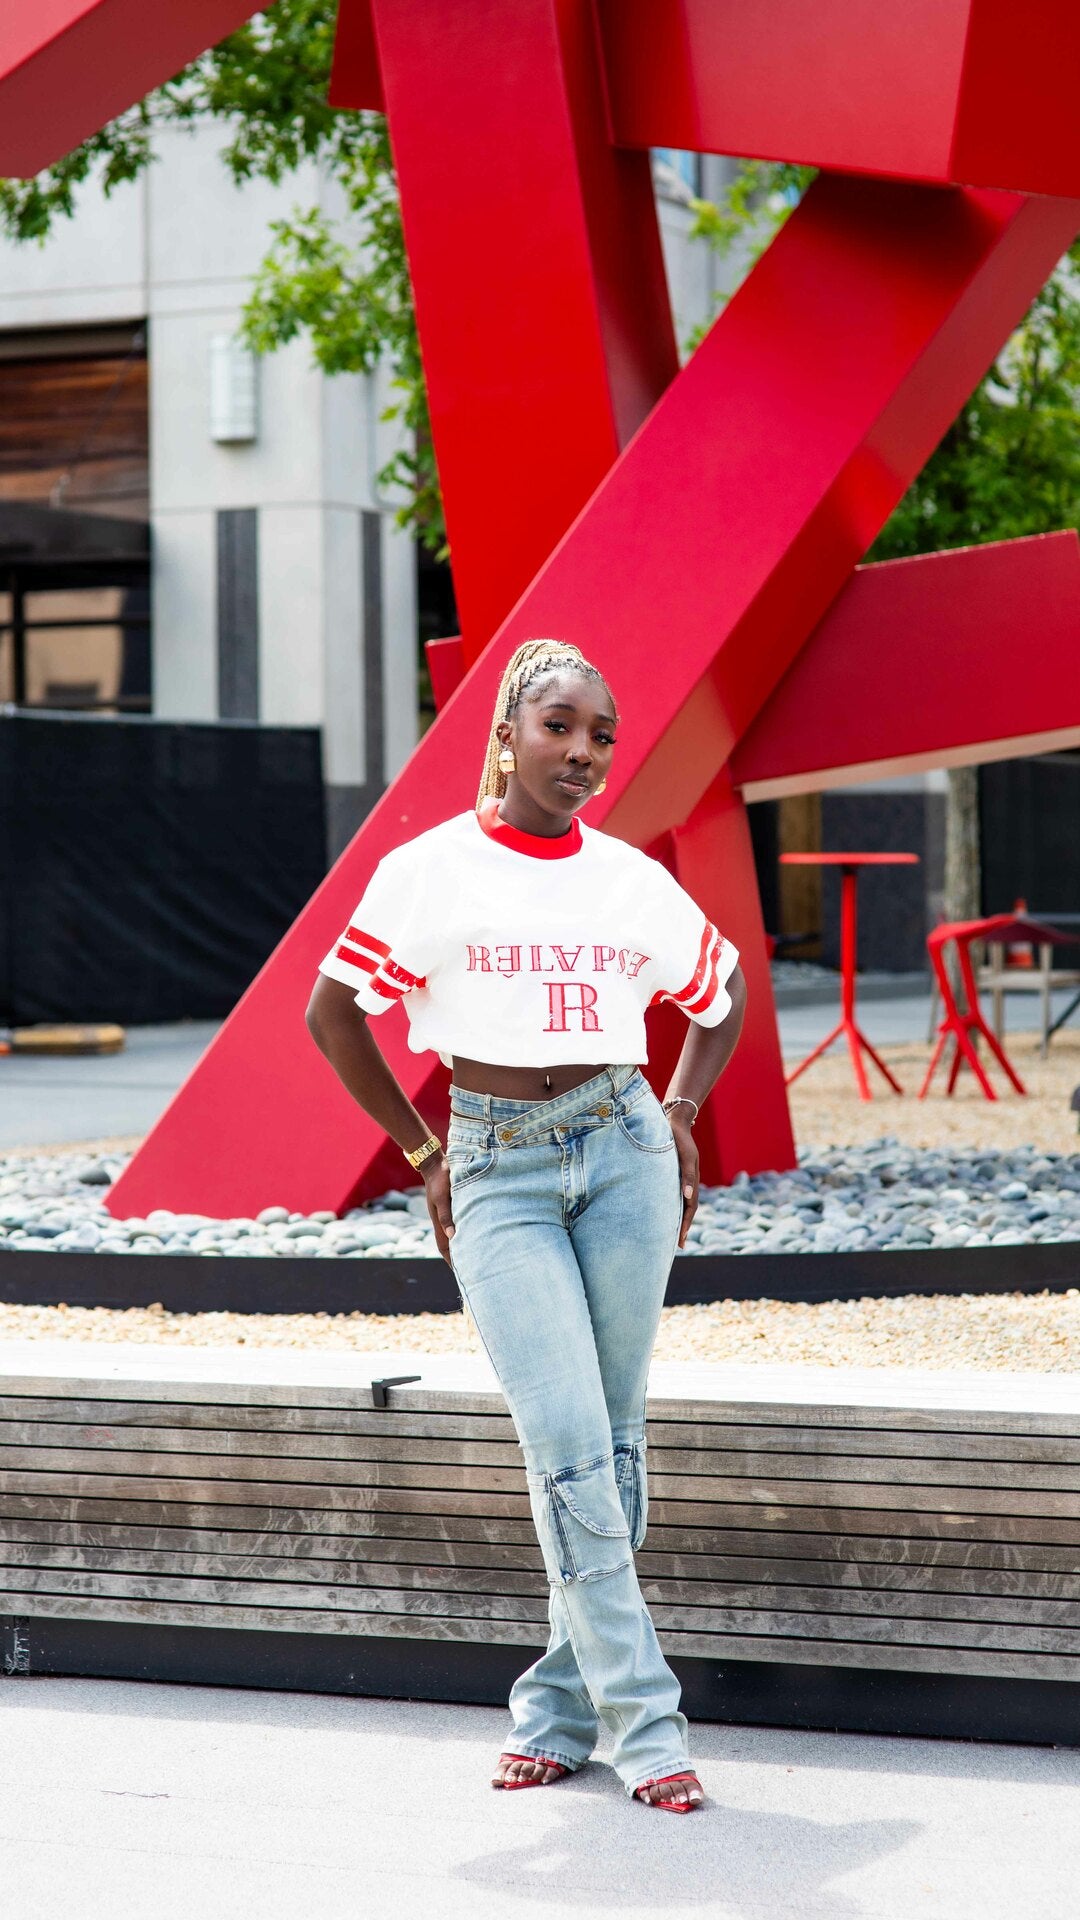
[(893, 915), (1029, 826), (148, 868)]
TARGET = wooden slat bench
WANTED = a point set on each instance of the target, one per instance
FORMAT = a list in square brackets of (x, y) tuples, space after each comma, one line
[(803, 1522)]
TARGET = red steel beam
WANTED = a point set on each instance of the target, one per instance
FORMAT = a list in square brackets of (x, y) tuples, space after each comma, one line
[(539, 280), (952, 92), (760, 479), (945, 91), (716, 543), (355, 81), (963, 92), (68, 66), (1016, 116), (990, 637), (745, 1122)]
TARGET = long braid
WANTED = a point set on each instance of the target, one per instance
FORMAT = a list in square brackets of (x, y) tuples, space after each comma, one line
[(532, 659)]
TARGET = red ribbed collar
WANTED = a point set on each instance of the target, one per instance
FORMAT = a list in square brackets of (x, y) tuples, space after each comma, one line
[(540, 846)]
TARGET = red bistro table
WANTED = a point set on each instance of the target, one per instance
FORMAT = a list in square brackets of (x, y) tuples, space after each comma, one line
[(858, 1044)]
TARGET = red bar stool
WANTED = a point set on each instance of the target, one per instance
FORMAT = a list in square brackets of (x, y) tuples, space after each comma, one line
[(964, 1023), (849, 865)]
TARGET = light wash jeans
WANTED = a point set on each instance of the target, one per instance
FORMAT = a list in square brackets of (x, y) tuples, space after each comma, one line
[(567, 1214)]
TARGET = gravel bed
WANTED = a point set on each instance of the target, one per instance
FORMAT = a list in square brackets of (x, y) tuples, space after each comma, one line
[(883, 1194), (996, 1332), (962, 1172)]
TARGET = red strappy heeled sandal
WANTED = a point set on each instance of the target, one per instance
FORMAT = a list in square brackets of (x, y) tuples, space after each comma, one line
[(530, 1760), (669, 1806)]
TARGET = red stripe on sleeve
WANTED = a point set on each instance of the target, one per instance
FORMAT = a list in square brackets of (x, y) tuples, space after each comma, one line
[(706, 999), (386, 988), (694, 984), (389, 978), (393, 970), (359, 960), (369, 941)]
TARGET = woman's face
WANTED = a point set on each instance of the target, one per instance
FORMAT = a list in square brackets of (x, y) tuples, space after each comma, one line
[(563, 737)]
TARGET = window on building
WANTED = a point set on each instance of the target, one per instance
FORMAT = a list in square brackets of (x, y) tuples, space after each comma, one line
[(83, 646), (74, 509)]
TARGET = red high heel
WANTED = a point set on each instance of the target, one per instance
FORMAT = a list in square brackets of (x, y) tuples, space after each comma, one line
[(668, 1806), (534, 1760)]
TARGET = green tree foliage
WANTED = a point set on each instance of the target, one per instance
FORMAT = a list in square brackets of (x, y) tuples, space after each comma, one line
[(749, 215), (1010, 463)]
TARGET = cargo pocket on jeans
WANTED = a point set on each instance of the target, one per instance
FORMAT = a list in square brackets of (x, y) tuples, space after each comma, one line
[(583, 1530), (632, 1482)]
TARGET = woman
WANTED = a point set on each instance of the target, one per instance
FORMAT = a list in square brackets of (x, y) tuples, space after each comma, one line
[(526, 948)]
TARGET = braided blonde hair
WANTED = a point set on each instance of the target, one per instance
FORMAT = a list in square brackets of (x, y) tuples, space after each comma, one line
[(527, 664)]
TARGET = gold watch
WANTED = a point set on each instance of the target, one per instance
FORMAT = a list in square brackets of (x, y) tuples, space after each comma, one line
[(431, 1145)]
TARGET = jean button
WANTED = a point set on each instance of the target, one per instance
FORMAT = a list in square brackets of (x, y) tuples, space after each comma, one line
[(506, 1133), (604, 1112)]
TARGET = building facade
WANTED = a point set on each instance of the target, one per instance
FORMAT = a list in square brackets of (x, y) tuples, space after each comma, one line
[(274, 584), (279, 588)]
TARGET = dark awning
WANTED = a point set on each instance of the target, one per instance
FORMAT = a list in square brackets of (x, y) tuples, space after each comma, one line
[(33, 535)]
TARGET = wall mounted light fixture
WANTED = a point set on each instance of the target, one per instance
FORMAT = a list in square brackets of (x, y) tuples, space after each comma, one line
[(234, 396)]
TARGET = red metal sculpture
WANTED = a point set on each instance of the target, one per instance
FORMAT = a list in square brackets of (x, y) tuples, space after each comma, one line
[(696, 531)]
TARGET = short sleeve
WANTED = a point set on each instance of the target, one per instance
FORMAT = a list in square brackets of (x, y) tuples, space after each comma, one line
[(693, 960), (384, 951)]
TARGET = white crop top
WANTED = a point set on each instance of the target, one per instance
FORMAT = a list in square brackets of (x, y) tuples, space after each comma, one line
[(526, 951)]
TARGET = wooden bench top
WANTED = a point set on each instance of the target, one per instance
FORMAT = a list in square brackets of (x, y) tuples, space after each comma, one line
[(235, 1374)]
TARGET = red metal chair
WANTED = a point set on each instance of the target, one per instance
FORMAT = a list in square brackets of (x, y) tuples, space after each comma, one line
[(964, 1023)]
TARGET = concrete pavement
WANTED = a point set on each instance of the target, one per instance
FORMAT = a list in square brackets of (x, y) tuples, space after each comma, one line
[(47, 1102), (122, 1800), (50, 1102)]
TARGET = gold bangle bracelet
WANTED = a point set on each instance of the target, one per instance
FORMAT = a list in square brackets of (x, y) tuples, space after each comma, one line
[(431, 1145)]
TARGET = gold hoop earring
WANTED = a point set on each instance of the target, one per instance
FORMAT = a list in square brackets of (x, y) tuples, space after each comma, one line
[(507, 762), (599, 789)]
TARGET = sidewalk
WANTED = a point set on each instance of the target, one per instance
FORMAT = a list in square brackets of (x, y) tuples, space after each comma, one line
[(47, 1102), (50, 1102), (122, 1799)]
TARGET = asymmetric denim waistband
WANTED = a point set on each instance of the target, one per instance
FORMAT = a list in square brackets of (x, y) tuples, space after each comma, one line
[(536, 1116)]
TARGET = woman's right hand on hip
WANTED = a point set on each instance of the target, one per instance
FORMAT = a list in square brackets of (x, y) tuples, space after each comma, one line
[(437, 1185)]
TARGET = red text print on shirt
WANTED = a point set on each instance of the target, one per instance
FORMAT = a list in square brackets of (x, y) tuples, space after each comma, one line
[(576, 998), (518, 957)]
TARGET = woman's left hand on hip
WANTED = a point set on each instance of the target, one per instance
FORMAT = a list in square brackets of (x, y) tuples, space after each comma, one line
[(688, 1171)]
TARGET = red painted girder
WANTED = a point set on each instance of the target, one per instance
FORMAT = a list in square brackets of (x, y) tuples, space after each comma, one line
[(446, 664), (966, 92), (541, 299), (355, 80), (745, 1123), (990, 637), (1016, 119), (68, 66), (739, 510), (939, 90), (715, 545)]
